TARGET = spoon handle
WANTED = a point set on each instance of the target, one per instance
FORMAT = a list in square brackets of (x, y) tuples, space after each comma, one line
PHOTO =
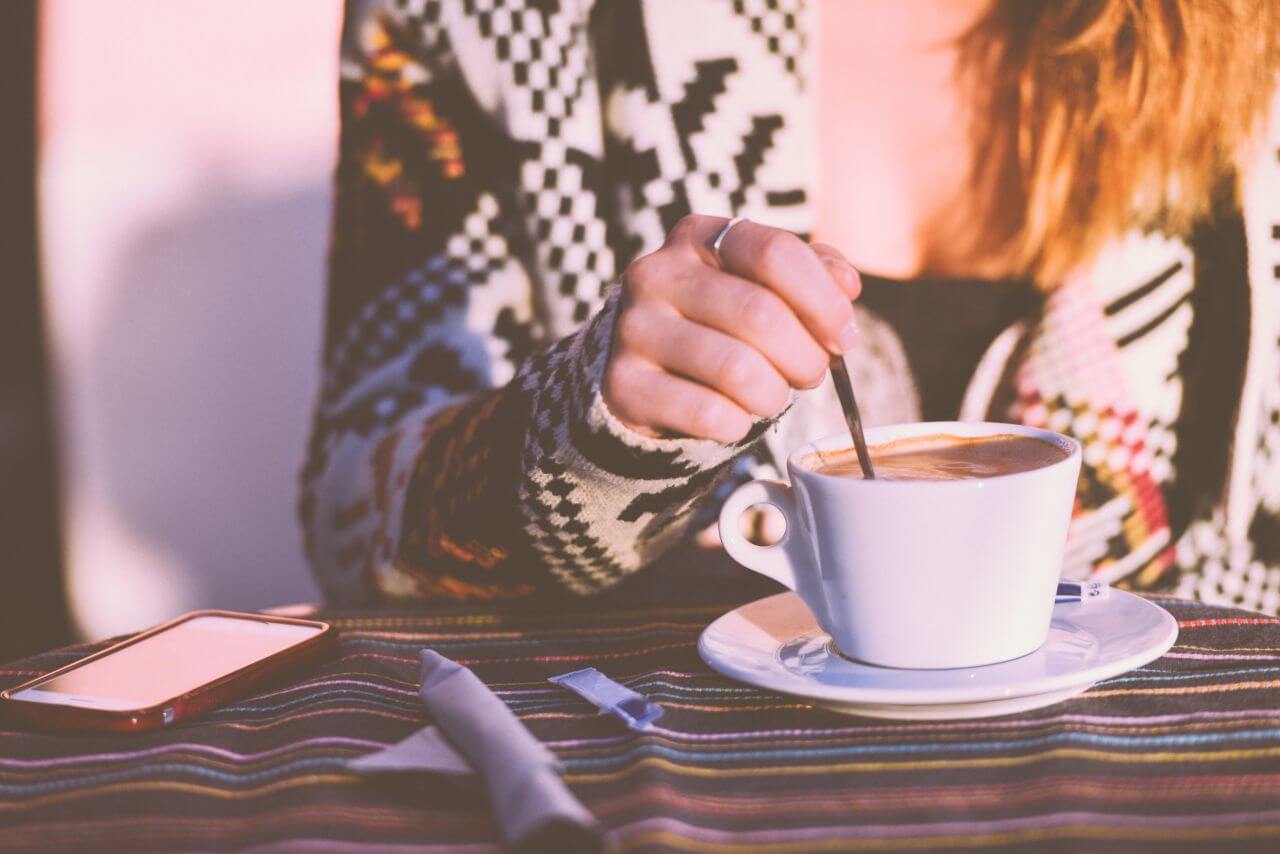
[(844, 389)]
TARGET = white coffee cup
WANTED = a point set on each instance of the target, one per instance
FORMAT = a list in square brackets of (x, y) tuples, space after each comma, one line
[(919, 574)]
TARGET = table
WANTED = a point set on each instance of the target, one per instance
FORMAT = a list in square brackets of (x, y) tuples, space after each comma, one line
[(1182, 753)]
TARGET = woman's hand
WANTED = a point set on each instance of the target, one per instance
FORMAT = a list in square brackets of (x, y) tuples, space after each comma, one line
[(701, 349)]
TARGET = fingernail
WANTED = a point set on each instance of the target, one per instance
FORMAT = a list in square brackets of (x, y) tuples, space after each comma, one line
[(849, 337), (842, 270)]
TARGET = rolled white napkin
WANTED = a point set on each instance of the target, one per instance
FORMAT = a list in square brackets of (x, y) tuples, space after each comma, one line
[(475, 732)]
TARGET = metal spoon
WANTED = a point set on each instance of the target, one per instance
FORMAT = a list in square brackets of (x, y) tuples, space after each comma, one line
[(844, 389)]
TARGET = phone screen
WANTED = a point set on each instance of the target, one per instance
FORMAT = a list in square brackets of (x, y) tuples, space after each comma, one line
[(170, 663)]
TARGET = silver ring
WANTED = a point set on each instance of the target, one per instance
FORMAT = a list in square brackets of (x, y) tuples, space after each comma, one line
[(724, 232)]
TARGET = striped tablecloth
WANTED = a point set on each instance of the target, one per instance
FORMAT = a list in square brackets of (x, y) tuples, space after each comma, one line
[(1181, 753)]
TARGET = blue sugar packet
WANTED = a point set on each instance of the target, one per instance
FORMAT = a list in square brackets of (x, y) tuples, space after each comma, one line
[(1081, 591), (611, 697)]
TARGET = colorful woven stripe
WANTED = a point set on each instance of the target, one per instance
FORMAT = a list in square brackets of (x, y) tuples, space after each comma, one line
[(1184, 752)]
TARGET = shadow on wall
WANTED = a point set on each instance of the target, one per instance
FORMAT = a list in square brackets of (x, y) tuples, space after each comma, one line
[(206, 366)]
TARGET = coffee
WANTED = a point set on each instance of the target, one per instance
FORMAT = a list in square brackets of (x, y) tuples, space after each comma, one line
[(942, 457)]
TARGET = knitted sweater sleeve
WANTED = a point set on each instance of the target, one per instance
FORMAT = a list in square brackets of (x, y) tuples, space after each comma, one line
[(455, 451)]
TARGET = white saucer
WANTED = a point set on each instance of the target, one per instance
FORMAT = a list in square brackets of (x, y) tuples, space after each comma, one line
[(775, 643)]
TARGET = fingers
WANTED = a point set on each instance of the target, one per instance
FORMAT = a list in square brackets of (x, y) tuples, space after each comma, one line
[(786, 265), (641, 393), (758, 317), (840, 268), (718, 361), (704, 342)]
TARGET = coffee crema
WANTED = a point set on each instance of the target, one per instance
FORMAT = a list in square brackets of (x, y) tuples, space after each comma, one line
[(941, 456)]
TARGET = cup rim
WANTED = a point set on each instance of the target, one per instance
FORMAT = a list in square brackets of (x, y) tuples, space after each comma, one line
[(840, 441)]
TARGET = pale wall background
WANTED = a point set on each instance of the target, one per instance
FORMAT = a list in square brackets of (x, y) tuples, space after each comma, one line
[(187, 153)]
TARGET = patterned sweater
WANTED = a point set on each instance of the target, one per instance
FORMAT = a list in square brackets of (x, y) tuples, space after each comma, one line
[(502, 160)]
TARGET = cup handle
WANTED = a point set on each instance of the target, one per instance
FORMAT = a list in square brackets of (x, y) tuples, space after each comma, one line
[(779, 561)]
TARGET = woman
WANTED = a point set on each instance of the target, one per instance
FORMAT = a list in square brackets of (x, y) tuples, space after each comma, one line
[(1070, 209)]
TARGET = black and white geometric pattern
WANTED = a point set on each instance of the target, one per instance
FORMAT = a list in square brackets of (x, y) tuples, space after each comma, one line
[(778, 24), (543, 54), (1231, 554), (702, 127), (453, 289), (1149, 324)]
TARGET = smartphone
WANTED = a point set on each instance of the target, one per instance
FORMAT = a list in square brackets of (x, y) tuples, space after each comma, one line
[(171, 673)]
